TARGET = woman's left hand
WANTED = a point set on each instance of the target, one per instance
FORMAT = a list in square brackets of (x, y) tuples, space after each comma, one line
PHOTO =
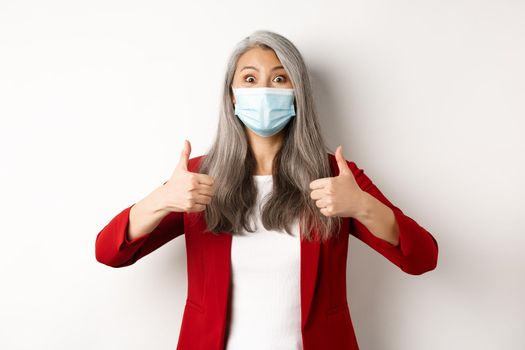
[(339, 195)]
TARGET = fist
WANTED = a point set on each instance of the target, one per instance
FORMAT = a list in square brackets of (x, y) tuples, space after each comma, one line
[(339, 195), (185, 190)]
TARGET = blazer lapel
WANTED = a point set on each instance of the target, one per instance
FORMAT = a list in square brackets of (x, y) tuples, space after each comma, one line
[(309, 263), (310, 251)]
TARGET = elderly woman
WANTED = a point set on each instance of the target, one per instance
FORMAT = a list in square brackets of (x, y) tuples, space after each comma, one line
[(266, 214)]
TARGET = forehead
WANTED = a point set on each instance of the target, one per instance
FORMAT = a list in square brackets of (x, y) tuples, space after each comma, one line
[(258, 57)]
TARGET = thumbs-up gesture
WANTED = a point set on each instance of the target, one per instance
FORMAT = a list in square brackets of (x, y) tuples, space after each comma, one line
[(185, 190), (339, 195)]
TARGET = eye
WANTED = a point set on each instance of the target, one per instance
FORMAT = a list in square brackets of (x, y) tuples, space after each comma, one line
[(279, 76), (246, 77)]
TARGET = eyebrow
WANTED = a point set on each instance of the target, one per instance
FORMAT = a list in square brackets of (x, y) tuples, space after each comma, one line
[(252, 67)]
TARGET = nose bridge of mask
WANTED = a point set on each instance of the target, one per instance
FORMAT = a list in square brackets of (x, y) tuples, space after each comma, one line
[(266, 98)]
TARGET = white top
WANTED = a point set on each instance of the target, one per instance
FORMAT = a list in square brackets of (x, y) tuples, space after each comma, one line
[(266, 296)]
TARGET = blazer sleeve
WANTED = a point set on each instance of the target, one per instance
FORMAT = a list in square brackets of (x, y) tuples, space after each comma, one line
[(113, 247), (417, 251)]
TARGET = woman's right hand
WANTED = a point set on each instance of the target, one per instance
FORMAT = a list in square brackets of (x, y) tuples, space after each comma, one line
[(186, 191)]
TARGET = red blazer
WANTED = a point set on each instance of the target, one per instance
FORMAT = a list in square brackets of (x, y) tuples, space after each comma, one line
[(325, 316)]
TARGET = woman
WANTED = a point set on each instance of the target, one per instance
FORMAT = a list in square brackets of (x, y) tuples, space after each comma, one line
[(266, 215)]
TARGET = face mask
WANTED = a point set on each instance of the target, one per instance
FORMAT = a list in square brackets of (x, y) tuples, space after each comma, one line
[(266, 111)]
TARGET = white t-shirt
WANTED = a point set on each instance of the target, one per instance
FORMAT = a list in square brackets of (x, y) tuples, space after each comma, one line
[(266, 297)]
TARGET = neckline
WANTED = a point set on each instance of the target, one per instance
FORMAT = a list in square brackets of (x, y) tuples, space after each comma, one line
[(262, 176)]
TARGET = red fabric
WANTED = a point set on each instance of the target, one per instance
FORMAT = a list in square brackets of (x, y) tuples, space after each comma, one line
[(325, 316)]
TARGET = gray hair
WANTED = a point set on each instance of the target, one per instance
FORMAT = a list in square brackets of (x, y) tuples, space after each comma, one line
[(301, 159)]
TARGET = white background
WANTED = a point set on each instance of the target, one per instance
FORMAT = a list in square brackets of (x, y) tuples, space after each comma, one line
[(96, 98)]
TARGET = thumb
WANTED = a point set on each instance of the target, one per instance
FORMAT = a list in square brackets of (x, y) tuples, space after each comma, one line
[(341, 162), (185, 156)]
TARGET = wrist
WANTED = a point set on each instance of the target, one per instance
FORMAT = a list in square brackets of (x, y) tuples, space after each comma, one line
[(365, 205), (155, 202)]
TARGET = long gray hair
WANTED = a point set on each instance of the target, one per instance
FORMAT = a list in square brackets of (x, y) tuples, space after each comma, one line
[(301, 159)]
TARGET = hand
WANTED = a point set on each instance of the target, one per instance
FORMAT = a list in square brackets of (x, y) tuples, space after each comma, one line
[(339, 195), (185, 190)]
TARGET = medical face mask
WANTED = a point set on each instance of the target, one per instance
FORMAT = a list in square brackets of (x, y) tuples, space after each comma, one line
[(266, 111)]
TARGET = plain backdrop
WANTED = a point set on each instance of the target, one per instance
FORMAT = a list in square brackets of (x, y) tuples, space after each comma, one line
[(97, 97)]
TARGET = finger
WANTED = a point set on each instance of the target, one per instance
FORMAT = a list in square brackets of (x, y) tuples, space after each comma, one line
[(196, 208), (205, 179), (203, 199), (326, 212), (206, 190), (321, 203), (317, 194), (341, 162), (319, 183), (185, 156)]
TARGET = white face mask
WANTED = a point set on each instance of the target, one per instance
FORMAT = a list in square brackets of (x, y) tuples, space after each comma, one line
[(266, 111)]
